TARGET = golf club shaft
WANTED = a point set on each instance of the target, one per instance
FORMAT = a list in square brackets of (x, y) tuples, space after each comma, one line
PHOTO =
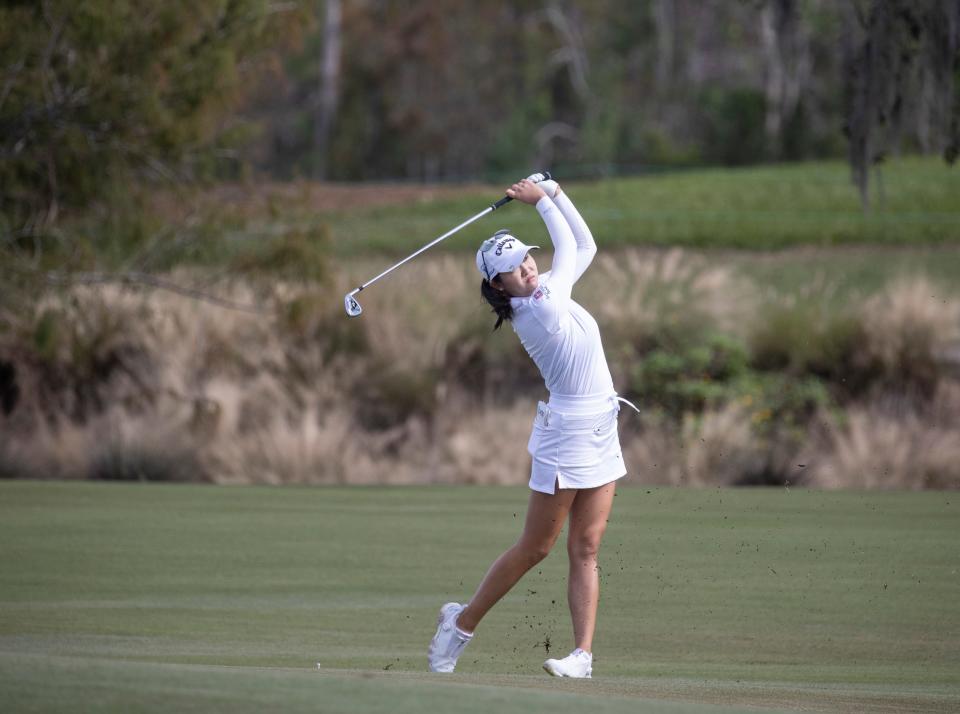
[(432, 243), (489, 209)]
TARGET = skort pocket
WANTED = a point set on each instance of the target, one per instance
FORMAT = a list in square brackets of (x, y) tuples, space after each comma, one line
[(589, 447)]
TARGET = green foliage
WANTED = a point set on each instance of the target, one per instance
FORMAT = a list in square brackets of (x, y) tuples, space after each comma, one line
[(47, 334), (900, 53), (75, 351), (715, 370), (733, 131), (97, 92), (690, 379), (510, 143), (783, 402), (805, 337), (298, 254), (655, 147), (432, 89)]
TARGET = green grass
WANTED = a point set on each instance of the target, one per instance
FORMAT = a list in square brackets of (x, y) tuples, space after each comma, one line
[(769, 207), (835, 275), (191, 598)]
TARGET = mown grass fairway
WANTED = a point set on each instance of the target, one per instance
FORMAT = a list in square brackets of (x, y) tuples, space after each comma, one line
[(190, 598)]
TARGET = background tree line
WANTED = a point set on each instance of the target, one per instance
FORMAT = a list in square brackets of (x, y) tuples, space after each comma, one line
[(435, 90), (95, 94)]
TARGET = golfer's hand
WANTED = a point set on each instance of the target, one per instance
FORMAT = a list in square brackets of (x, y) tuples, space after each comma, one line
[(526, 191)]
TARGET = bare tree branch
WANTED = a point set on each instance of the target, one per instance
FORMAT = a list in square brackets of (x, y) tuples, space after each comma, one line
[(572, 54), (276, 8), (9, 79), (153, 281)]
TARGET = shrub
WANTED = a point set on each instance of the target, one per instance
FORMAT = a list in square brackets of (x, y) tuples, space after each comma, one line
[(691, 379), (492, 367), (13, 462), (387, 397), (733, 125), (309, 316), (716, 371), (735, 425), (297, 254), (801, 337), (129, 460), (718, 446), (891, 340)]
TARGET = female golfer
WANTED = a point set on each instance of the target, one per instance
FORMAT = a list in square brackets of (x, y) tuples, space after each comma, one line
[(574, 444)]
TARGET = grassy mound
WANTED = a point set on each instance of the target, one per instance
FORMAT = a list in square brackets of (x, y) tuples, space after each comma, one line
[(758, 208)]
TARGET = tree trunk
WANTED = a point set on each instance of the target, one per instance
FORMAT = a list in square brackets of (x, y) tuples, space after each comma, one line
[(774, 61), (665, 18), (572, 52), (859, 67), (329, 91), (786, 50)]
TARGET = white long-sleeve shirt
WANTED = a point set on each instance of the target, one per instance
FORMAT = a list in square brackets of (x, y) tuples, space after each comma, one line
[(560, 336)]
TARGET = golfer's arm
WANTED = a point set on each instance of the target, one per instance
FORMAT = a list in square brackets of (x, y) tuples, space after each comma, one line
[(586, 246), (564, 265)]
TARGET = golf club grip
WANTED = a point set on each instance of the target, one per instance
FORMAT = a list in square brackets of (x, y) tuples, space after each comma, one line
[(506, 199)]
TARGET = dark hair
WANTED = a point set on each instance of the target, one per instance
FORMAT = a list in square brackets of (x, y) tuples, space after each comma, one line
[(499, 300)]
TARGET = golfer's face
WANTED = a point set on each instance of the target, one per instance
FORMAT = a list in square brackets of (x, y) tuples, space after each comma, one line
[(523, 280)]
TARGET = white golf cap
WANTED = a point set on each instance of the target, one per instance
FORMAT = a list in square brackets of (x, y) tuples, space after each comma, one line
[(501, 253)]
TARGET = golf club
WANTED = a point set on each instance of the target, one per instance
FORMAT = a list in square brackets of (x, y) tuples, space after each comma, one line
[(350, 303)]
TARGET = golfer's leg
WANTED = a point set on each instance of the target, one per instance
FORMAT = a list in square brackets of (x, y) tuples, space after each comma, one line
[(588, 521), (545, 516)]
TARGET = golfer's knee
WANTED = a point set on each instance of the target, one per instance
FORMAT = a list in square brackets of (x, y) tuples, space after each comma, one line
[(584, 546), (535, 550)]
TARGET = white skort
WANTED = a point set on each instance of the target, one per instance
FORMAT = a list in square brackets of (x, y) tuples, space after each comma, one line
[(575, 451)]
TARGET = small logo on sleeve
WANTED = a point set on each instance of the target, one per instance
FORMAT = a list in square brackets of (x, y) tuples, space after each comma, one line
[(541, 292)]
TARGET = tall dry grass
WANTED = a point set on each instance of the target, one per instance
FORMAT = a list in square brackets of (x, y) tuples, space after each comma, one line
[(906, 329), (716, 447), (117, 383), (891, 443)]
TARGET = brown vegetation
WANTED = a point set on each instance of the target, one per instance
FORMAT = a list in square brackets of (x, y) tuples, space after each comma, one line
[(109, 382)]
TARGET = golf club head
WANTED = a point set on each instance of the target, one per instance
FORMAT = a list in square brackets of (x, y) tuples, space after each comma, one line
[(351, 305)]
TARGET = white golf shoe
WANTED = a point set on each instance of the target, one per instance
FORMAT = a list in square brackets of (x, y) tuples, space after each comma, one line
[(578, 664), (449, 642)]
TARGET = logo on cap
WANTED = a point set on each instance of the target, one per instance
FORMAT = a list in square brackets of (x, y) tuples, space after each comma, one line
[(505, 244)]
